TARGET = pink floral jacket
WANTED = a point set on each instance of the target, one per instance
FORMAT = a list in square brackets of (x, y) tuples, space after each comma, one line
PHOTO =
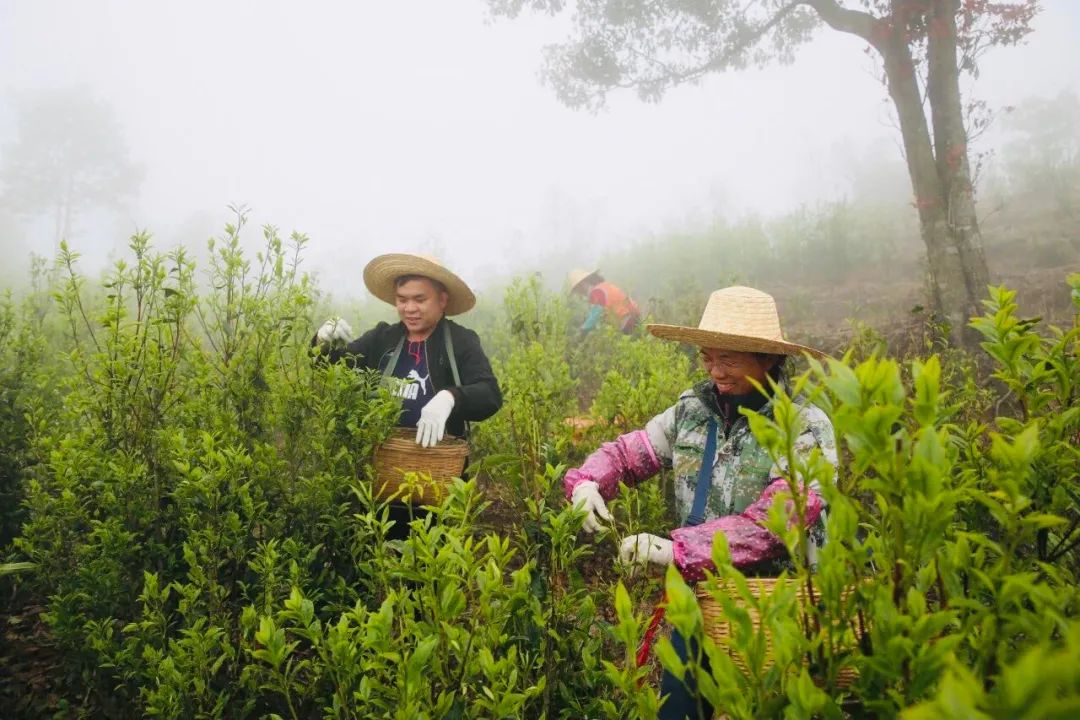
[(743, 484)]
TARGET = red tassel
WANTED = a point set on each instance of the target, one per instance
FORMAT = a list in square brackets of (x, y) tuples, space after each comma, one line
[(650, 633)]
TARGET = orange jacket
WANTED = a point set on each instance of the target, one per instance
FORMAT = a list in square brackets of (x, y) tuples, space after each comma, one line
[(615, 300)]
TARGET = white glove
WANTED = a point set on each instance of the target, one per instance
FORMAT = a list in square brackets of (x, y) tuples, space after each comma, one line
[(432, 425), (644, 548), (334, 330), (586, 496)]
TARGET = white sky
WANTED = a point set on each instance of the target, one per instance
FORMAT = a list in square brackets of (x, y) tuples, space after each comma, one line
[(382, 126)]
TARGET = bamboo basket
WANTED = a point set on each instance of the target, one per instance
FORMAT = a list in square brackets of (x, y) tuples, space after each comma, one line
[(437, 467), (720, 629)]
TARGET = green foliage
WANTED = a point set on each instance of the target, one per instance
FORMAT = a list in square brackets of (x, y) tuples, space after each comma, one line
[(529, 359), (201, 533), (201, 455), (1038, 447), (949, 579), (198, 535), (644, 377), (1043, 683), (28, 384), (17, 346)]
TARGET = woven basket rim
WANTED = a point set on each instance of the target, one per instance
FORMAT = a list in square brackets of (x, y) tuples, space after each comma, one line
[(404, 435), (399, 454), (718, 627)]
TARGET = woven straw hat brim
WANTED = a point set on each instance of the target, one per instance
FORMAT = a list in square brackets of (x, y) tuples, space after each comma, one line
[(725, 341), (586, 276), (381, 273)]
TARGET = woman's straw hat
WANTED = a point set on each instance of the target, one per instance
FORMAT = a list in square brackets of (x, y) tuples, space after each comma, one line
[(381, 274), (577, 277), (736, 318)]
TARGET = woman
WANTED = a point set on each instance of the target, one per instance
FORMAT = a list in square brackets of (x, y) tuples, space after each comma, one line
[(604, 297), (724, 479)]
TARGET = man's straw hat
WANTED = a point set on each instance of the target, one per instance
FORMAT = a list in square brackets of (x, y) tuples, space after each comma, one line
[(381, 274), (736, 318), (577, 277)]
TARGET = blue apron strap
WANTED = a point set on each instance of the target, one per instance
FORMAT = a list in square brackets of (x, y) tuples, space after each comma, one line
[(704, 478)]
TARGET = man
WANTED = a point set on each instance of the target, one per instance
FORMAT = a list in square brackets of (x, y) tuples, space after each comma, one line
[(604, 296), (446, 379)]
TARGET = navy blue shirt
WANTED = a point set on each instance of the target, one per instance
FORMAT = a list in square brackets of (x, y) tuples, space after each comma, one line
[(412, 367)]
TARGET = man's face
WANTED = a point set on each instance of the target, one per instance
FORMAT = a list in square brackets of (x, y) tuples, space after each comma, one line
[(732, 371), (420, 305)]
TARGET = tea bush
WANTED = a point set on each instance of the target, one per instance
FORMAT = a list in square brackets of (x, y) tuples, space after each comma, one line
[(952, 548), (16, 366), (202, 538), (198, 537), (201, 456), (27, 379)]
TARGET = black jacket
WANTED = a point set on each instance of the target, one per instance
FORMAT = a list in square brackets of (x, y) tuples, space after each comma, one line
[(477, 398)]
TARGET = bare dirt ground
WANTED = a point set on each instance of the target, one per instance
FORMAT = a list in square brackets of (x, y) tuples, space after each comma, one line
[(1026, 252)]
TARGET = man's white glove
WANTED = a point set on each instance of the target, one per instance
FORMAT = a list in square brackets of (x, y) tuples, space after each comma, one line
[(644, 548), (433, 416), (334, 331), (586, 496)]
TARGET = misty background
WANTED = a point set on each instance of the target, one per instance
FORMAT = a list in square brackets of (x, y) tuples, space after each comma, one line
[(423, 126)]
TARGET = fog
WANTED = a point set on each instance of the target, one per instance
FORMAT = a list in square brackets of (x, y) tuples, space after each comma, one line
[(423, 126)]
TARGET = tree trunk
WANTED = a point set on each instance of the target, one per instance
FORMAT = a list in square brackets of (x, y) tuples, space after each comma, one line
[(940, 172), (951, 149)]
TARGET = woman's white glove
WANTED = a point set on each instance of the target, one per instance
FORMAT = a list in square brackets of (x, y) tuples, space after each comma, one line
[(433, 416), (334, 331), (644, 548), (586, 496)]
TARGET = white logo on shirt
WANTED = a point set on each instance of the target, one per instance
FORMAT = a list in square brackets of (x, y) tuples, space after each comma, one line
[(413, 385)]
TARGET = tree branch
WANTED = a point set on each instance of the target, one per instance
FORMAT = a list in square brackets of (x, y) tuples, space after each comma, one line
[(854, 22), (720, 62)]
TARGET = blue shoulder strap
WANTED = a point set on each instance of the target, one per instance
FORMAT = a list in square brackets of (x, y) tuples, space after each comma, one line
[(704, 478)]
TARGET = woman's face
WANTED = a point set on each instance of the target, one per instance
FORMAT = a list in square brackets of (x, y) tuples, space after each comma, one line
[(732, 371)]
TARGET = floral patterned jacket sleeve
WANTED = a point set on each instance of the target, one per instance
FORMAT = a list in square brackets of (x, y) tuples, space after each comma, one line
[(629, 459), (748, 541)]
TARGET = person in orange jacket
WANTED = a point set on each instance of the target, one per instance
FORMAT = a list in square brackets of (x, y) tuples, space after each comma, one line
[(604, 297)]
